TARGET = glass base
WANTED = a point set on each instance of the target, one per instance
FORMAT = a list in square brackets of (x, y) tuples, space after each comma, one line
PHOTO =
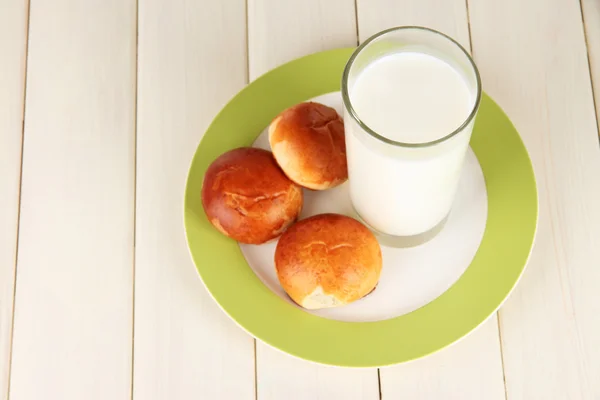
[(403, 241)]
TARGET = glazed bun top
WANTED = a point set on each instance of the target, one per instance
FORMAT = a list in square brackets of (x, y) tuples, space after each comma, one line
[(328, 260), (247, 196), (308, 143)]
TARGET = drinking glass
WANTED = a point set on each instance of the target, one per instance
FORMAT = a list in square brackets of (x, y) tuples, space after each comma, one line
[(404, 191)]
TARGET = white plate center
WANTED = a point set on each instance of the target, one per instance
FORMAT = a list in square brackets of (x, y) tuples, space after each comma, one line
[(410, 277)]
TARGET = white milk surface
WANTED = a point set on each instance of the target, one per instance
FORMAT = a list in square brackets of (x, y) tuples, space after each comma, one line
[(407, 97)]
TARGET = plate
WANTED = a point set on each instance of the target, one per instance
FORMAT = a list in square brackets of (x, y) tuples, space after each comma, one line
[(411, 277), (429, 296)]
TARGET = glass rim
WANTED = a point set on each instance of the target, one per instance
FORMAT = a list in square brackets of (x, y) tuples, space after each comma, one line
[(366, 128)]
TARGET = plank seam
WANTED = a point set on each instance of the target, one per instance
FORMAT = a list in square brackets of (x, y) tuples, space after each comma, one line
[(469, 28), (247, 43), (23, 114), (135, 142), (356, 22), (379, 383), (255, 372), (589, 63), (502, 356)]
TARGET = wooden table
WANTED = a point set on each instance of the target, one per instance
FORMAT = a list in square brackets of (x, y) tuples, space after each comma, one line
[(102, 104)]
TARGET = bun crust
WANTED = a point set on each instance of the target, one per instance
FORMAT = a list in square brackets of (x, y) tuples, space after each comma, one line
[(247, 197), (328, 260), (308, 143)]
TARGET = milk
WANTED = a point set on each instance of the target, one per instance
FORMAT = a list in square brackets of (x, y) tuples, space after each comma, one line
[(412, 98)]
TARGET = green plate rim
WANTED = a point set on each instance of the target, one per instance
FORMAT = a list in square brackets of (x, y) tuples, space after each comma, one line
[(479, 292)]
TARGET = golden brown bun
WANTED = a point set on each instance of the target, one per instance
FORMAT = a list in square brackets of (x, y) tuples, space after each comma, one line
[(308, 143), (328, 260), (247, 197)]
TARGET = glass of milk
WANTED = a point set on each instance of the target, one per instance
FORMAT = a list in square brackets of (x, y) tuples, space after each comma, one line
[(410, 95)]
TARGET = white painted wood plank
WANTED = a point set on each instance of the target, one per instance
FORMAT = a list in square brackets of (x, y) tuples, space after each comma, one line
[(469, 369), (449, 17), (451, 373), (591, 17), (192, 59), (279, 32), (281, 376), (73, 312), (533, 61), (13, 47)]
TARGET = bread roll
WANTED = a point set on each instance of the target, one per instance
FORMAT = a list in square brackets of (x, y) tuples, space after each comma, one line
[(247, 197), (328, 260), (308, 143)]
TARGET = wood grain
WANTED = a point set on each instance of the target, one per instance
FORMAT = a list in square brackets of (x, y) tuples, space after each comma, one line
[(449, 374), (83, 206), (534, 64), (449, 17), (280, 31), (73, 310), (276, 34), (192, 59), (282, 377), (469, 369), (591, 17), (13, 48)]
